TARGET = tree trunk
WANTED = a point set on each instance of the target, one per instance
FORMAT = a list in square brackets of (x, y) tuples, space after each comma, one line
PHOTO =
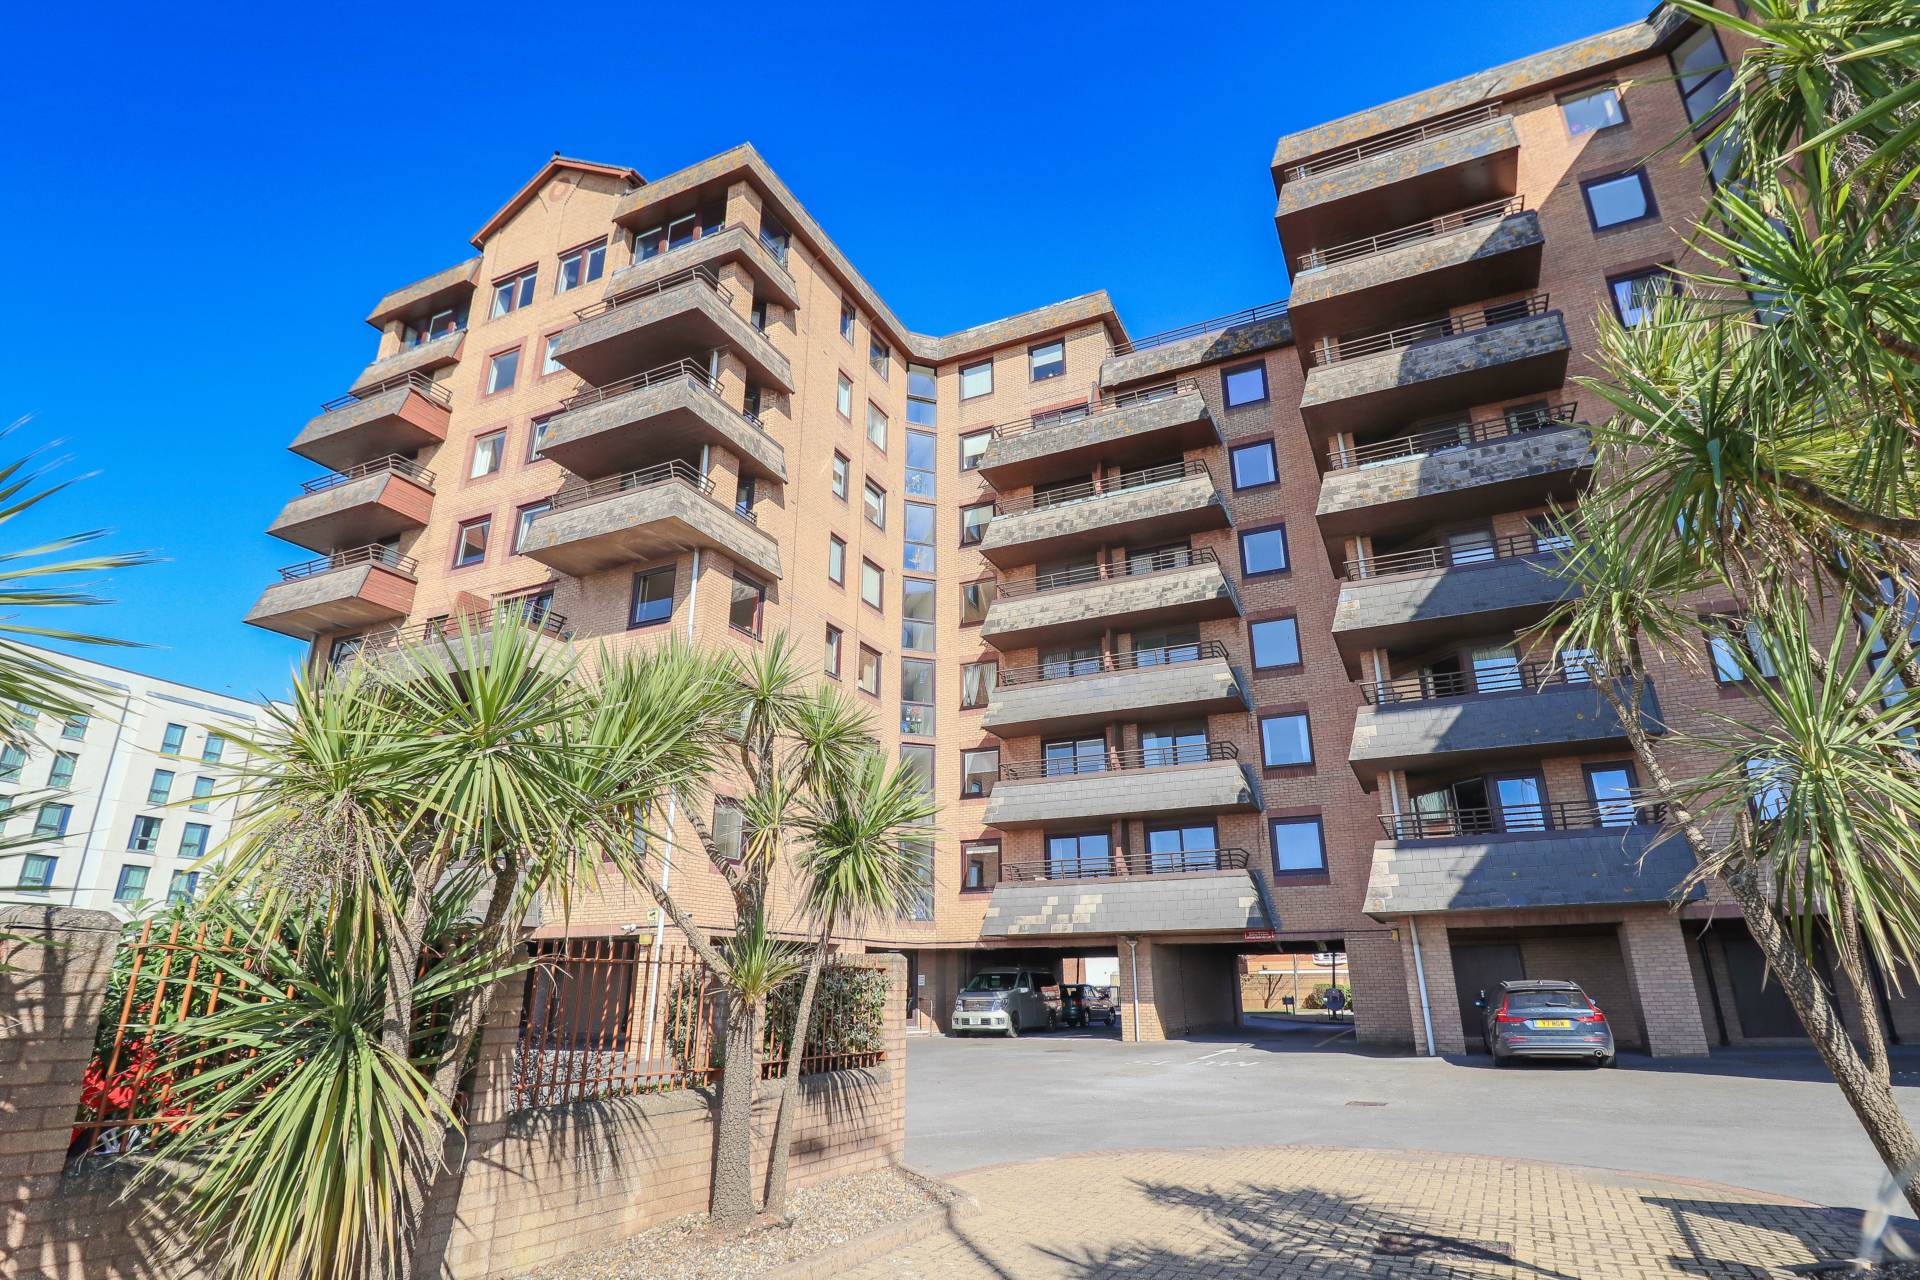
[(732, 1207), (782, 1151)]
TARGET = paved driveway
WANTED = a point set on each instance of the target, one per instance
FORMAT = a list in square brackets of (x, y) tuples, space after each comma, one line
[(1771, 1121)]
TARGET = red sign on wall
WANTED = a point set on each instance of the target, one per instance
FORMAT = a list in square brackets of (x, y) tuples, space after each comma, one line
[(1258, 935)]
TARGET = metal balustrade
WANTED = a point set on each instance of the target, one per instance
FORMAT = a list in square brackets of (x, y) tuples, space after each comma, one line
[(691, 370), (1199, 328), (1134, 566), (1448, 557), (1071, 414), (372, 553), (532, 615), (392, 464), (1454, 436), (1068, 668), (699, 275), (1412, 233), (1126, 482), (1111, 761), (1395, 141), (1127, 863), (415, 381), (580, 493), (1524, 819), (1331, 351), (1519, 677)]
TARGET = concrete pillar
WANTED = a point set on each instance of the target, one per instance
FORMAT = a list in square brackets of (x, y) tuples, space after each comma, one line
[(1443, 1001), (1655, 951)]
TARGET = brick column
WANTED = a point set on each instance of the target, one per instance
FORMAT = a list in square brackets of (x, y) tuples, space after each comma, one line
[(1655, 952), (1443, 1001), (51, 987)]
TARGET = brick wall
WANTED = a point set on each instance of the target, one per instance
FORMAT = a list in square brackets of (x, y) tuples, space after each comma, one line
[(521, 1187)]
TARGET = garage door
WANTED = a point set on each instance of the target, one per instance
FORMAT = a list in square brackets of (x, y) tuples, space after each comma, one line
[(1477, 967)]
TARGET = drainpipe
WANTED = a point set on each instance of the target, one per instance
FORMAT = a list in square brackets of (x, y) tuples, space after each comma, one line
[(1420, 975), (659, 929), (1133, 958)]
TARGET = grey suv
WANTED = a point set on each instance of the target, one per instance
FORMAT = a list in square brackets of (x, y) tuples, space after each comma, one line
[(1545, 1018), (1008, 1001)]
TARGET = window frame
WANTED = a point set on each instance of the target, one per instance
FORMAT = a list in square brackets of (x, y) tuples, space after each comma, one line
[(672, 574), (980, 536), (840, 475), (1618, 278), (1226, 384), (967, 774), (739, 579), (1273, 459), (986, 434), (965, 370), (489, 365), (1315, 820), (969, 849), (527, 280), (861, 665), (873, 489), (843, 396), (1286, 550), (523, 517), (583, 253), (878, 416), (838, 577), (1305, 717), (1580, 95), (832, 651), (991, 665), (143, 836), (880, 585), (485, 524), (1253, 643), (1033, 349), (1646, 190), (990, 583)]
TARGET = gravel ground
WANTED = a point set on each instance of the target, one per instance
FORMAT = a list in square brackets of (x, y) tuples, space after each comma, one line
[(824, 1217)]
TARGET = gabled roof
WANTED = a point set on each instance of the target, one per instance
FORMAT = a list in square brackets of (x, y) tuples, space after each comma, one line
[(540, 180)]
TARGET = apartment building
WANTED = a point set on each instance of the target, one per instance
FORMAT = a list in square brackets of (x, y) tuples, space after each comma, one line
[(117, 807), (1210, 643)]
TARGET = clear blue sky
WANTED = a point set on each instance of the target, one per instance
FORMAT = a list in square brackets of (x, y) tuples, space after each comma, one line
[(203, 201)]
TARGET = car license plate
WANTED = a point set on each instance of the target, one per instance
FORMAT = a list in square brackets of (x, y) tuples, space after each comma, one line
[(1553, 1024)]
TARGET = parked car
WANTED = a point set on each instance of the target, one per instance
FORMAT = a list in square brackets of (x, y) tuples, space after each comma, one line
[(1082, 1005), (1008, 1001), (1545, 1018)]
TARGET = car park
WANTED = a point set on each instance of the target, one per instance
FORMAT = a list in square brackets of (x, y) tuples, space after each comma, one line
[(1545, 1018)]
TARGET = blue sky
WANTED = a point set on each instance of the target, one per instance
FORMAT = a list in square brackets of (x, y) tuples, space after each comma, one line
[(203, 201)]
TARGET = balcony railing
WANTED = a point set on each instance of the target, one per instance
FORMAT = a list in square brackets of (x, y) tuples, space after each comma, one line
[(1395, 141), (1413, 233), (416, 380), (664, 283), (1067, 668), (535, 617), (580, 494), (1333, 350), (1079, 412), (691, 370), (372, 553), (1454, 436), (1450, 557), (1127, 862), (1199, 328), (1520, 676), (1073, 495), (393, 464), (1110, 761), (1524, 819), (1132, 567)]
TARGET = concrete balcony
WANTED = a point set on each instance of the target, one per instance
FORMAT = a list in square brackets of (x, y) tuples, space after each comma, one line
[(643, 516), (458, 641), (1154, 782), (1161, 355), (672, 318), (359, 588), (1135, 426), (667, 412), (443, 290), (1171, 501), (1461, 717), (1524, 459), (369, 503), (402, 418), (1548, 856), (1450, 162), (1500, 352), (1431, 266), (767, 263), (425, 358), (1425, 597), (1203, 891), (1185, 586), (1070, 696)]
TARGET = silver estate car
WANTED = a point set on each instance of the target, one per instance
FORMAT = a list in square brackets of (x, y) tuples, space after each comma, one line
[(1545, 1018), (1006, 1001)]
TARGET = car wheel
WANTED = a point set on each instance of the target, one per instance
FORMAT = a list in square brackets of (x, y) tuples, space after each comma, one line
[(1013, 1026), (1500, 1059), (1111, 1019), (1610, 1060), (1053, 1020)]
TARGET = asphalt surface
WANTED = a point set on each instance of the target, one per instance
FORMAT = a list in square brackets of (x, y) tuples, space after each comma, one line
[(1767, 1119)]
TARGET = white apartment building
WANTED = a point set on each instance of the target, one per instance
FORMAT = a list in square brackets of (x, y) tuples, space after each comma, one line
[(120, 804)]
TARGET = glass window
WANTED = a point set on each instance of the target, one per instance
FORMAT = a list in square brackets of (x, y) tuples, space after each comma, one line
[(514, 292), (916, 614), (1633, 295), (982, 864), (923, 454), (868, 676), (977, 683), (1078, 854), (1284, 740), (1263, 551), (36, 871), (1065, 757), (1726, 662), (1073, 660), (1254, 464), (876, 425), (470, 542), (160, 786), (202, 795), (75, 726), (1048, 360), (1770, 787), (523, 521), (1591, 110), (1172, 848), (979, 770), (502, 369), (213, 748), (880, 357), (843, 396), (836, 559), (975, 598), (922, 395), (1704, 75), (973, 522), (746, 604), (875, 499), (489, 451), (173, 740), (537, 432), (1244, 384), (145, 836), (1276, 642), (52, 819), (182, 886), (872, 584), (976, 379), (60, 772), (1298, 845), (840, 472), (583, 266), (193, 839), (12, 760), (1624, 198), (652, 597), (973, 446), (831, 661), (846, 320), (916, 696), (132, 884), (549, 362), (919, 537)]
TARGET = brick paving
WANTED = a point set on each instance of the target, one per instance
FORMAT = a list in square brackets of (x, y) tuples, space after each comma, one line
[(1284, 1212)]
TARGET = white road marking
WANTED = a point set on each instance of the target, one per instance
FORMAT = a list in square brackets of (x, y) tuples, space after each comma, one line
[(1223, 1053)]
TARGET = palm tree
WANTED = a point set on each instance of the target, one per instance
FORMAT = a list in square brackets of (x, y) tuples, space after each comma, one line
[(859, 865), (1763, 449)]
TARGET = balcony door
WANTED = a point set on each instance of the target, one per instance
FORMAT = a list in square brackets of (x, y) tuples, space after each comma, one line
[(1173, 744), (1155, 559), (1064, 757), (1610, 788), (1181, 848), (1496, 668), (1072, 660), (1086, 853), (1471, 546), (1521, 799), (1172, 644)]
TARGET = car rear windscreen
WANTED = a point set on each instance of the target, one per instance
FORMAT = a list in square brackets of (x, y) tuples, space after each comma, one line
[(1537, 1001)]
